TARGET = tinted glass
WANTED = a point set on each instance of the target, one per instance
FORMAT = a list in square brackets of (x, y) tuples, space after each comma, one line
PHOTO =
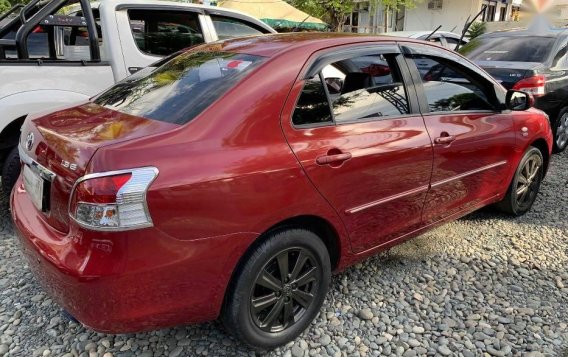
[(162, 33), (370, 87), (312, 106), (449, 87), (181, 89), (514, 49), (227, 27)]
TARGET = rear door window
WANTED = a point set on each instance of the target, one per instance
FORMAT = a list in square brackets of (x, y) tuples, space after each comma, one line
[(510, 49), (182, 88), (372, 88), (227, 27), (359, 88), (163, 32)]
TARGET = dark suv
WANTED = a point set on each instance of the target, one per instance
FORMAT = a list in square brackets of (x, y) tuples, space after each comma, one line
[(531, 61)]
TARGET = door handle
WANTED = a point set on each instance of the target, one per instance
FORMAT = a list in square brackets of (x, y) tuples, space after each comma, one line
[(333, 159), (445, 139)]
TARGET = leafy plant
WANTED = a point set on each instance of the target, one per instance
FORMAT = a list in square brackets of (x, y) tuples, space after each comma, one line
[(4, 6), (476, 29), (335, 12)]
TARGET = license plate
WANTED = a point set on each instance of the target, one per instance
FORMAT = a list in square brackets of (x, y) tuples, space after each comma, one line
[(34, 186)]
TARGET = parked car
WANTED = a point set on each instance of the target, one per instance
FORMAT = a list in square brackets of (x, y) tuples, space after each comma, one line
[(443, 38), (90, 50), (231, 181), (534, 62)]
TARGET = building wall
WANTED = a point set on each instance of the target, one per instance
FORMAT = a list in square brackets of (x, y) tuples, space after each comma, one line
[(452, 16)]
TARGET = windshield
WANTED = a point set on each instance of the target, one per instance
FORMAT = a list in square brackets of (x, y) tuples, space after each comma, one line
[(182, 88), (512, 49)]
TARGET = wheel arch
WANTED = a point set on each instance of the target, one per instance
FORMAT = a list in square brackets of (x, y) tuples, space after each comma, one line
[(542, 146), (9, 137), (315, 224), (321, 227)]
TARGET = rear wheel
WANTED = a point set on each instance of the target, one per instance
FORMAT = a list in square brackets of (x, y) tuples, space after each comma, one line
[(279, 290), (560, 131), (526, 184), (10, 171)]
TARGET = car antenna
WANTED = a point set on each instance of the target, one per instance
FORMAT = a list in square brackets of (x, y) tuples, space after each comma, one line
[(432, 33), (297, 27), (468, 25)]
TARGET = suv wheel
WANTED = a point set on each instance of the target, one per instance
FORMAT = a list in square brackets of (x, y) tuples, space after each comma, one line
[(10, 171), (526, 184), (561, 131), (279, 290)]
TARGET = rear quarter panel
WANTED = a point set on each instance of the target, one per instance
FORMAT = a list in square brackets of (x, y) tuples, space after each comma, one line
[(230, 170)]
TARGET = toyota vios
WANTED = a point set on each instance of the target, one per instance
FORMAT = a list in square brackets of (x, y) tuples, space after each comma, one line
[(232, 180)]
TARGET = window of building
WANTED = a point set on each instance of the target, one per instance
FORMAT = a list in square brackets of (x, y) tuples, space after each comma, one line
[(503, 14), (435, 5)]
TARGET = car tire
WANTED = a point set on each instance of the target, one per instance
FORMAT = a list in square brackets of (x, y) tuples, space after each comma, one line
[(10, 171), (525, 186), (283, 306), (560, 131)]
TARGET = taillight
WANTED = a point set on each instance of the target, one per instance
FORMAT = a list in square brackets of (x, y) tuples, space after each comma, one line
[(113, 200), (533, 85)]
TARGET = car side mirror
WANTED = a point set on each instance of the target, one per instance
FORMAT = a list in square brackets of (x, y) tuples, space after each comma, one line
[(519, 101)]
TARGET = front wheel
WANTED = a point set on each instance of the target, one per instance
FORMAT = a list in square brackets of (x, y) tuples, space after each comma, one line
[(560, 131), (279, 290), (10, 171), (525, 185)]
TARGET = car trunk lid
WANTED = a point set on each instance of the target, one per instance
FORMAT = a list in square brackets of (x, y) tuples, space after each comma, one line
[(65, 141), (509, 73)]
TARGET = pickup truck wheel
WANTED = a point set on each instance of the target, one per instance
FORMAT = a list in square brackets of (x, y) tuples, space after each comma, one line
[(526, 184), (279, 290), (10, 171), (560, 131)]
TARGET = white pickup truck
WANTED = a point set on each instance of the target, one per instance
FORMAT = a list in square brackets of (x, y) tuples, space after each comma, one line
[(53, 54)]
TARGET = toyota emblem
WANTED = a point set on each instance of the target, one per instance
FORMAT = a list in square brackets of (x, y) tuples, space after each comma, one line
[(30, 141)]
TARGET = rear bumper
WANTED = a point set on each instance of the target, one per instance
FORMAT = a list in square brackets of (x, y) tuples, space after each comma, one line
[(129, 281)]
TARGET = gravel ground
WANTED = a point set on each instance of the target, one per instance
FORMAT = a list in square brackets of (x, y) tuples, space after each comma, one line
[(486, 284)]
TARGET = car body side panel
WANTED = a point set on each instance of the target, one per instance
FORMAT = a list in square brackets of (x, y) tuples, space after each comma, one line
[(235, 148), (473, 167)]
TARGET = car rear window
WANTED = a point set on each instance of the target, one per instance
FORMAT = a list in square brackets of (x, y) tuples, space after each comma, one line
[(512, 49), (182, 88)]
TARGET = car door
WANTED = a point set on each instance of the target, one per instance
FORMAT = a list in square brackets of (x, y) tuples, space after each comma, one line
[(473, 138), (355, 128)]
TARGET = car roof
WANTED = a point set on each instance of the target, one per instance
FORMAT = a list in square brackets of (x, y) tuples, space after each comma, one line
[(416, 34), (272, 44)]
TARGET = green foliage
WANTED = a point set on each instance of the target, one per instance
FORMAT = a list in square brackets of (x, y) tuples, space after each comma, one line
[(476, 29), (397, 4), (334, 12), (4, 6)]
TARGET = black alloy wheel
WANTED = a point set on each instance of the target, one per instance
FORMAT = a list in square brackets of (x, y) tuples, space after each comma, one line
[(525, 186), (284, 289), (278, 289)]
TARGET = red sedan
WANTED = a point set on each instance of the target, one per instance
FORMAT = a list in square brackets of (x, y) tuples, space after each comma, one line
[(234, 178)]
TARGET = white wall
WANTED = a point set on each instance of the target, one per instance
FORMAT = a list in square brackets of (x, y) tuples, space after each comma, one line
[(453, 14)]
